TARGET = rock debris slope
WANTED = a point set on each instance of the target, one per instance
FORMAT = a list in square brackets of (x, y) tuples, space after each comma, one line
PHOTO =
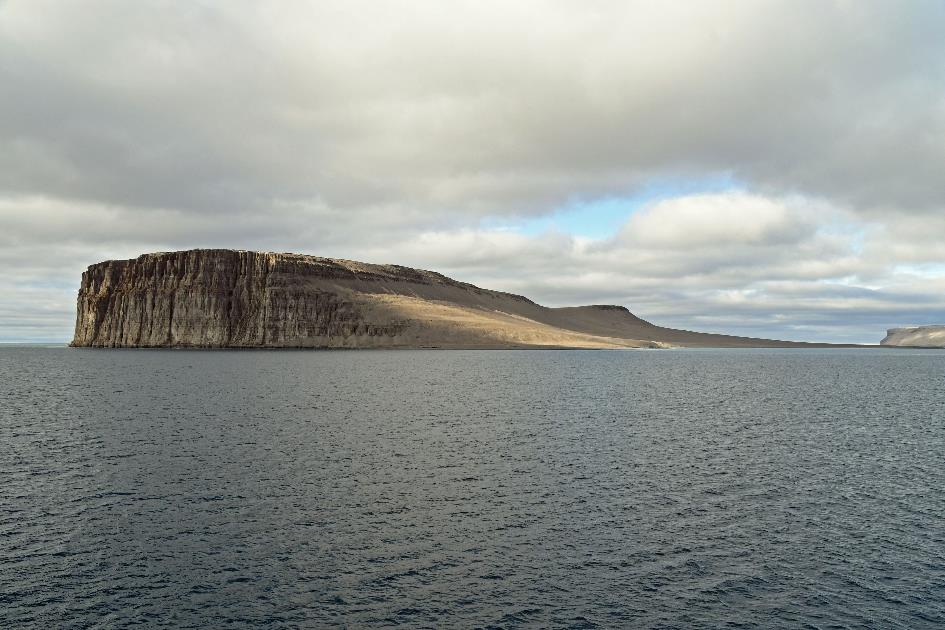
[(219, 298)]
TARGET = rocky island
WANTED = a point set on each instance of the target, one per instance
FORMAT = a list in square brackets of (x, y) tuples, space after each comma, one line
[(218, 298), (915, 337)]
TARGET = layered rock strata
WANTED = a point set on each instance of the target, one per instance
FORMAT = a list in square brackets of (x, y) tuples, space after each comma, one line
[(224, 298)]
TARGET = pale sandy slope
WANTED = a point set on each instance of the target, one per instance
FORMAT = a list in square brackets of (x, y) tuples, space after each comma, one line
[(443, 324), (441, 312)]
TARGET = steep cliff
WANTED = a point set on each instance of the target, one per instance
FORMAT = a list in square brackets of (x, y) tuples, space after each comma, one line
[(215, 298), (916, 337), (225, 298)]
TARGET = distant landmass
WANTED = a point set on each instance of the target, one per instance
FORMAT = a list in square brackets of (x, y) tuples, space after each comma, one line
[(915, 337), (219, 298)]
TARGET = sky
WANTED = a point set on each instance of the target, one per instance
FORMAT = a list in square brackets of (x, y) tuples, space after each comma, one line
[(757, 167)]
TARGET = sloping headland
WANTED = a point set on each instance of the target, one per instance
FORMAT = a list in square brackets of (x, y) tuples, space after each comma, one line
[(915, 337), (217, 298)]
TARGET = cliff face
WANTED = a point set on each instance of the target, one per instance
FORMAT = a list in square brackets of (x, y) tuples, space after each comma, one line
[(917, 337), (216, 298), (225, 298)]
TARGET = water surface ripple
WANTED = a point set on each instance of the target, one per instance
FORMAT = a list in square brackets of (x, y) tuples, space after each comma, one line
[(581, 489)]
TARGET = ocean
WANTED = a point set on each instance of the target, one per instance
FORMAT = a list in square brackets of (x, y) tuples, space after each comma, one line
[(494, 489)]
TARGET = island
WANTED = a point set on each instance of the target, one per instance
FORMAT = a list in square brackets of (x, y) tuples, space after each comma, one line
[(221, 298), (915, 337)]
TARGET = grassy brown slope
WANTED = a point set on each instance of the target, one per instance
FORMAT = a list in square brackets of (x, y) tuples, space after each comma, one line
[(443, 324), (463, 315), (605, 322)]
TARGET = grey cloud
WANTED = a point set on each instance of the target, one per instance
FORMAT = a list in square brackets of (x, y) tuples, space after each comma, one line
[(475, 109), (388, 131)]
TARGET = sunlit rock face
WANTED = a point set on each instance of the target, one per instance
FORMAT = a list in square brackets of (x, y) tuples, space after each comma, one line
[(916, 336)]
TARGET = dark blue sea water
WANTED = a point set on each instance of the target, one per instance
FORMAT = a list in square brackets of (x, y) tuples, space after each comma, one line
[(582, 489)]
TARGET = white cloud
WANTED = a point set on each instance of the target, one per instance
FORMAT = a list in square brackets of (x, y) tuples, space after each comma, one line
[(718, 221)]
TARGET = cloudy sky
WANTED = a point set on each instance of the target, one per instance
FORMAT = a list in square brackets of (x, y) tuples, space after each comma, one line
[(759, 167)]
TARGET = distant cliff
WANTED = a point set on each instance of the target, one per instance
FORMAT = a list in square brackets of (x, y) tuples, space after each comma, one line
[(917, 336), (224, 298)]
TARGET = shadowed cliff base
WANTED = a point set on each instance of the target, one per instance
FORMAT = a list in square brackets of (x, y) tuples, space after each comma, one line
[(218, 298)]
